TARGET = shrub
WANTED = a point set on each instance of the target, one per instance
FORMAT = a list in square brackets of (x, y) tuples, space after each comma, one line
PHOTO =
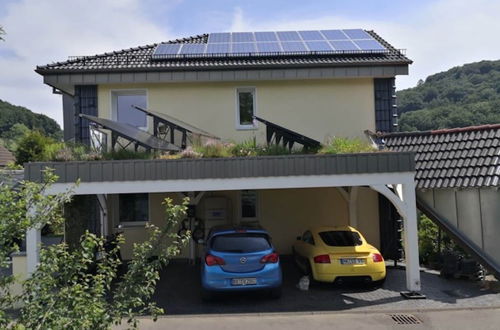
[(342, 145), (33, 147), (213, 149)]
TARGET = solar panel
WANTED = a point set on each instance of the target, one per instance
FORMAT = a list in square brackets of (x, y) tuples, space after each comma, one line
[(357, 34), (244, 47), (311, 35), (268, 47), (222, 48), (334, 34), (369, 45), (288, 36), (193, 49), (344, 45), (294, 46), (265, 36), (219, 37), (242, 37), (168, 48), (318, 46), (278, 43)]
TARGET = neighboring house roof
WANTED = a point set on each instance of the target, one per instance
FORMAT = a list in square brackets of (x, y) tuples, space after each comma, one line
[(5, 156), (452, 158), (139, 59)]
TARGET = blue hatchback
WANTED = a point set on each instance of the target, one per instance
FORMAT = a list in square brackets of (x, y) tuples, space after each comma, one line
[(240, 259)]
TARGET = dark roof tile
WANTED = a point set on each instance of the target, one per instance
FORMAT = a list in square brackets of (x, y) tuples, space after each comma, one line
[(453, 158), (139, 59)]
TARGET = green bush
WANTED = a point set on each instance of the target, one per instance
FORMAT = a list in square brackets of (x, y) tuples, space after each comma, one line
[(342, 145), (33, 147)]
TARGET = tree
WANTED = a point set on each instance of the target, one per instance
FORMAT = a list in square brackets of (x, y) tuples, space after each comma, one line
[(73, 288)]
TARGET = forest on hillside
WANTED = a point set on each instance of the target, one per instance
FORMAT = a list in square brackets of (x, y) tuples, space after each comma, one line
[(462, 96), (15, 121)]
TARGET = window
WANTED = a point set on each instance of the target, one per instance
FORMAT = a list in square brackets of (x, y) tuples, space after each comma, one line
[(308, 238), (123, 110), (134, 207), (249, 204), (245, 108), (240, 243), (341, 238)]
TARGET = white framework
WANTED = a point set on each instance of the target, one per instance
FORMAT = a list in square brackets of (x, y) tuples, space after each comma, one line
[(403, 199), (245, 89)]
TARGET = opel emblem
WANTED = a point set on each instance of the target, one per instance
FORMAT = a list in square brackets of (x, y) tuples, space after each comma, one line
[(243, 260)]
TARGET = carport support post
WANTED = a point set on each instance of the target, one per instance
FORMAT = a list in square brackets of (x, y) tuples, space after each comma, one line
[(406, 192), (33, 242)]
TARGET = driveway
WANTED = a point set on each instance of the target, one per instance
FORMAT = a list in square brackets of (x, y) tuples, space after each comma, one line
[(178, 292)]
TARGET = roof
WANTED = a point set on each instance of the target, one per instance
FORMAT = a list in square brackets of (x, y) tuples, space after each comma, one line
[(139, 59), (452, 158), (5, 156)]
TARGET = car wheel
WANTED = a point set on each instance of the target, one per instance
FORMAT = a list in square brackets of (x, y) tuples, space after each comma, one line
[(276, 293), (206, 295)]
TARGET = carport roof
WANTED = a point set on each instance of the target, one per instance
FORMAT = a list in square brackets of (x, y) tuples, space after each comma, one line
[(452, 158), (224, 168)]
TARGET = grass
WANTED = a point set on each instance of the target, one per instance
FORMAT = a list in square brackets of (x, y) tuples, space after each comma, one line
[(209, 149)]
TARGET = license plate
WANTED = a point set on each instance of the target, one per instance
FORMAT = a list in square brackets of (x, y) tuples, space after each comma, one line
[(244, 281), (352, 261)]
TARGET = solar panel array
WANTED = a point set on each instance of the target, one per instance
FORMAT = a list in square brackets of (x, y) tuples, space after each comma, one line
[(274, 43)]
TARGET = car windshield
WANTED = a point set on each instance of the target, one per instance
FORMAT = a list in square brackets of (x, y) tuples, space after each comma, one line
[(341, 238), (240, 243)]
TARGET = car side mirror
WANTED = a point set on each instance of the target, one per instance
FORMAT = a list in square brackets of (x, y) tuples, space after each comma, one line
[(298, 238)]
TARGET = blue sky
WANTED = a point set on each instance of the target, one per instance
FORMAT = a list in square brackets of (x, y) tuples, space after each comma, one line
[(437, 34)]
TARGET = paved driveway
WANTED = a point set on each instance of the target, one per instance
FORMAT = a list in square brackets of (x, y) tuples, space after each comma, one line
[(179, 293)]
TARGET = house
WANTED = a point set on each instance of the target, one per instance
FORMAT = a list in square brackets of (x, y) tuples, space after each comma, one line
[(458, 177), (6, 157), (289, 87)]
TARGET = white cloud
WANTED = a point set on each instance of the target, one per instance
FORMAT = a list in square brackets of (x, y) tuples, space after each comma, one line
[(40, 32), (444, 34)]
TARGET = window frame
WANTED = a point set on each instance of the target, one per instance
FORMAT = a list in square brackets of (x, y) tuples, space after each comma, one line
[(128, 91), (245, 89), (134, 223), (240, 205)]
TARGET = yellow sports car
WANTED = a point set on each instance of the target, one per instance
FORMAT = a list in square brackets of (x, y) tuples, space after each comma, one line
[(338, 254)]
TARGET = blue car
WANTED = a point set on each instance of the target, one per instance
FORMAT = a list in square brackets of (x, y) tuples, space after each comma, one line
[(240, 259)]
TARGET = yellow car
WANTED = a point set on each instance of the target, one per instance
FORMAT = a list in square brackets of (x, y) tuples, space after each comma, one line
[(338, 254)]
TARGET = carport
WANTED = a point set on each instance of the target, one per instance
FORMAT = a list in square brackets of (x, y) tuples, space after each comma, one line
[(388, 173)]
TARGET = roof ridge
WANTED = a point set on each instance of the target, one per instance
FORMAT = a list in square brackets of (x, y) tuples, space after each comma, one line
[(122, 51), (444, 130)]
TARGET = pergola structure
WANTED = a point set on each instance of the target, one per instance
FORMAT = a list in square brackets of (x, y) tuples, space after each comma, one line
[(390, 174)]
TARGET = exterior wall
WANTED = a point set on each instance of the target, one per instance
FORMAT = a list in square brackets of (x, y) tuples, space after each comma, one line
[(20, 271), (316, 108), (475, 212), (285, 213)]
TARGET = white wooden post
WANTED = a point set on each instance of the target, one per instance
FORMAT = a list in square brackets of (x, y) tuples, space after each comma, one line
[(405, 202), (411, 236), (33, 242)]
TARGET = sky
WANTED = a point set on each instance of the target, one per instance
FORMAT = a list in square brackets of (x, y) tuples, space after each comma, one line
[(437, 35)]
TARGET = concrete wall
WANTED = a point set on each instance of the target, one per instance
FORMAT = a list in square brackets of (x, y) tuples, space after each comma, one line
[(474, 212), (285, 213), (316, 108)]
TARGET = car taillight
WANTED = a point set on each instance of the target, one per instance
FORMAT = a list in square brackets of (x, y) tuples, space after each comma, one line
[(270, 259), (322, 259), (211, 260), (377, 257)]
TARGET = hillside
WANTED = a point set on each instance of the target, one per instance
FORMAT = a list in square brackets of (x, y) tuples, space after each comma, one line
[(462, 96), (15, 120)]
